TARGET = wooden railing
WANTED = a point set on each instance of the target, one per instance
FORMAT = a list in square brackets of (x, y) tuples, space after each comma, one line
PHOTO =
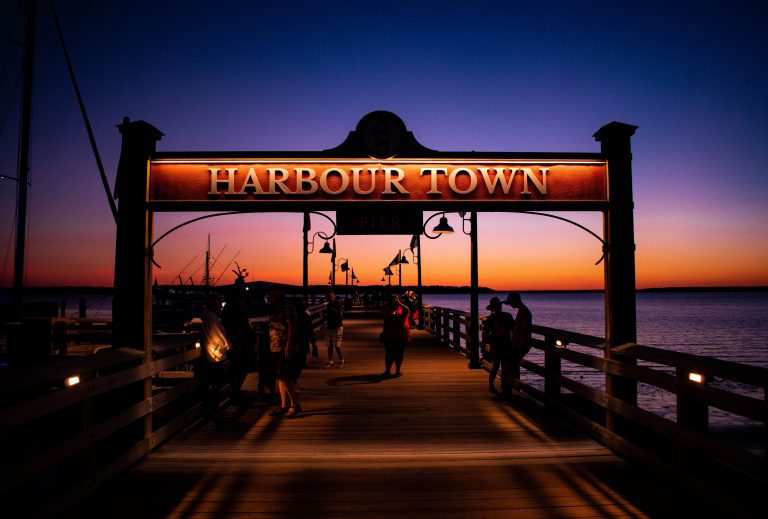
[(71, 424), (685, 444)]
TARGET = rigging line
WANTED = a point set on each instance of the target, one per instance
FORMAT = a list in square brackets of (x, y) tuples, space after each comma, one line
[(96, 301), (27, 227), (226, 269), (186, 266), (87, 122), (210, 268), (197, 270), (8, 248)]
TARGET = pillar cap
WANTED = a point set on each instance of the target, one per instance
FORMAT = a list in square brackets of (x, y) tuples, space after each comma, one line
[(615, 129), (139, 127)]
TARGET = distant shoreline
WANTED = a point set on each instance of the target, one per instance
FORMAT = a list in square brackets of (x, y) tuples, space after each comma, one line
[(434, 289)]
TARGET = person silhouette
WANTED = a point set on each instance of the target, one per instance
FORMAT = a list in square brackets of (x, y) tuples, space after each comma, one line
[(395, 335), (521, 335), (497, 333), (335, 328)]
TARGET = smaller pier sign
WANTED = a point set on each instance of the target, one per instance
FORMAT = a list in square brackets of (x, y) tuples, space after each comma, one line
[(385, 220)]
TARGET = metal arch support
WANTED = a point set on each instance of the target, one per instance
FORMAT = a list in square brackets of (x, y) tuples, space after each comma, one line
[(193, 220), (204, 217), (572, 223), (463, 220), (322, 235)]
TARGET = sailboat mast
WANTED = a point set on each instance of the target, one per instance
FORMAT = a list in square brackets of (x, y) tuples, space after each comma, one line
[(23, 173), (208, 262)]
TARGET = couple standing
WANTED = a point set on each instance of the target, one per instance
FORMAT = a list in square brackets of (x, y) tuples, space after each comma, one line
[(509, 339)]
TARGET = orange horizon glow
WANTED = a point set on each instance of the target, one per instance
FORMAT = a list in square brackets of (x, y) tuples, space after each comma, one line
[(516, 252)]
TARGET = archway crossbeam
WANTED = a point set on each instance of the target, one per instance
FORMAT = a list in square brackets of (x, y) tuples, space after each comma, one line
[(536, 213)]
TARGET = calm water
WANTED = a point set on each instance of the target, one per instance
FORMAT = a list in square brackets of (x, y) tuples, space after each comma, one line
[(730, 325), (727, 325)]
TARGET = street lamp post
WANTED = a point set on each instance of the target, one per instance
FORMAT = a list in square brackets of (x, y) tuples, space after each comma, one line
[(473, 342), (388, 272), (338, 264), (474, 309), (309, 246), (305, 259)]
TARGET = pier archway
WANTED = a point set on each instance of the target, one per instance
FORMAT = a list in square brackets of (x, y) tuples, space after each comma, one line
[(380, 166)]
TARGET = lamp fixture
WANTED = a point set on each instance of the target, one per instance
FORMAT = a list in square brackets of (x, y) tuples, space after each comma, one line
[(443, 227)]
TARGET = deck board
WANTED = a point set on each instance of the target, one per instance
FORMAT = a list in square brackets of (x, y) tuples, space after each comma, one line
[(430, 444)]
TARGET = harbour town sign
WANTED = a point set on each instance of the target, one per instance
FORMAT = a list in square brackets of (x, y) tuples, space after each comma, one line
[(400, 180)]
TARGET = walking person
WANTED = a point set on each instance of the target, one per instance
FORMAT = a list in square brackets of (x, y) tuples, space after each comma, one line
[(335, 329), (305, 336), (286, 360), (395, 335), (497, 333), (521, 335), (234, 317), (215, 352)]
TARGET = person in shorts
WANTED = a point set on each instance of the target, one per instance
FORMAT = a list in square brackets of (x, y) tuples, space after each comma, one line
[(335, 330), (287, 360)]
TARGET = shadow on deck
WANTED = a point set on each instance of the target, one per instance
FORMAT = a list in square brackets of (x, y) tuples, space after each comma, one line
[(430, 444)]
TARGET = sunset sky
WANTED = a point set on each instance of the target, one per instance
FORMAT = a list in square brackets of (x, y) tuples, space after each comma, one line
[(484, 76)]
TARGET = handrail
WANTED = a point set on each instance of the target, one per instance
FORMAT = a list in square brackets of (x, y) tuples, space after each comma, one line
[(96, 423), (688, 381), (747, 374)]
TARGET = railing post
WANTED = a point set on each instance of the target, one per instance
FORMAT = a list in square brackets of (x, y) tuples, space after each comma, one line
[(691, 414), (446, 326), (437, 328), (552, 363), (457, 331)]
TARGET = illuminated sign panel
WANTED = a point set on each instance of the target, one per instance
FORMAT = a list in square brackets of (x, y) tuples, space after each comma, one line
[(401, 180)]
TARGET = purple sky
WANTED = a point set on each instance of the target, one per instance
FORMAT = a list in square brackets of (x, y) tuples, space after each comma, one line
[(493, 76)]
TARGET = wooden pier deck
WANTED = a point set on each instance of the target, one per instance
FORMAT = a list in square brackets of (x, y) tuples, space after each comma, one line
[(430, 444)]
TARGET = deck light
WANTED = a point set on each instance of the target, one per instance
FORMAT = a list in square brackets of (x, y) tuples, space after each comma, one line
[(443, 227), (72, 381), (696, 377), (197, 344), (382, 279), (404, 260), (559, 343), (326, 249)]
